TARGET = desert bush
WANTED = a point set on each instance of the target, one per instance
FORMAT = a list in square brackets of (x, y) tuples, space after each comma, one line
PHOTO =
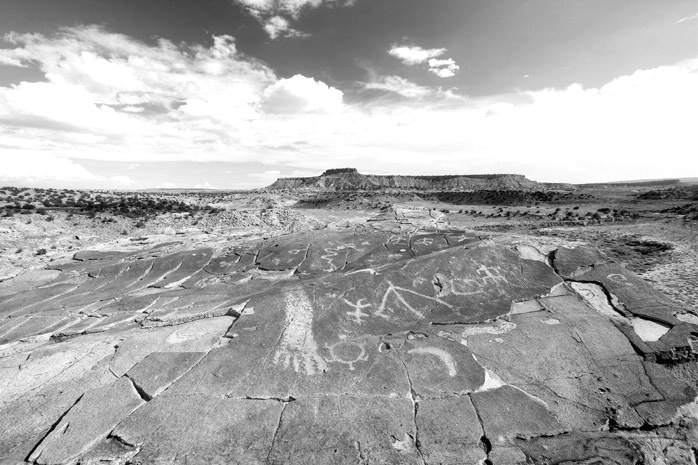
[(41, 251)]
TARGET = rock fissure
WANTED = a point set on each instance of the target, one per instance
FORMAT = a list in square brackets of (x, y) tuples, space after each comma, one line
[(276, 432), (51, 429)]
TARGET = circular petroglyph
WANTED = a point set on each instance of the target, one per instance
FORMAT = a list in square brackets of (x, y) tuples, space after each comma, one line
[(347, 352)]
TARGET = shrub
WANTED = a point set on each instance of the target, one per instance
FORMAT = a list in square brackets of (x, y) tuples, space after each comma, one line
[(41, 251)]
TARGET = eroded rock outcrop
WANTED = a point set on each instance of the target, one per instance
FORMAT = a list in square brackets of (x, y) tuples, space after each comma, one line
[(424, 346)]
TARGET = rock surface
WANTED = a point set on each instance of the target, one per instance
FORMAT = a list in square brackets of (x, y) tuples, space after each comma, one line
[(367, 346)]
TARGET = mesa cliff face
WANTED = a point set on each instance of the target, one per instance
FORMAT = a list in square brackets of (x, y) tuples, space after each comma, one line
[(351, 179)]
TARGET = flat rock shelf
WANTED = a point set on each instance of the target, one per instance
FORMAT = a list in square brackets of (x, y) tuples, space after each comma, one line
[(363, 346)]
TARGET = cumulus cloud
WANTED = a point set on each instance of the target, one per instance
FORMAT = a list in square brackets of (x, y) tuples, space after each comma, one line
[(108, 96), (414, 55), (212, 103), (301, 94), (443, 68)]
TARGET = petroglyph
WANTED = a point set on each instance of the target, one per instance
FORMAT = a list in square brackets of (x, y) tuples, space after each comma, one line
[(347, 352), (462, 238), (396, 291), (357, 313), (424, 241), (444, 356), (298, 348), (331, 253), (466, 287), (619, 279), (489, 274)]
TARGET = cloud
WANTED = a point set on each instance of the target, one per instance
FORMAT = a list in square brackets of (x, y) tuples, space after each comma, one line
[(289, 7), (214, 104), (687, 18), (108, 96), (414, 55), (443, 68), (301, 94), (408, 89), (274, 14), (278, 26), (399, 85), (34, 165), (36, 168)]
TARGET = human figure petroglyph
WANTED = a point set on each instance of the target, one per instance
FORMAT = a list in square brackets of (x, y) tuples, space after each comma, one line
[(398, 240), (396, 291), (297, 348), (424, 241), (357, 313), (444, 356)]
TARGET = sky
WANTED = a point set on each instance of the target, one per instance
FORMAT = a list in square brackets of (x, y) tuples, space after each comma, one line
[(231, 94)]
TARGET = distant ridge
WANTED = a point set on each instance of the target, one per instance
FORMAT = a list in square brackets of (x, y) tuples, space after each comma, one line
[(339, 179)]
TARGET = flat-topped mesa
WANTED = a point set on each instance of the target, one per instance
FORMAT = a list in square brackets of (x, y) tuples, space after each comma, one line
[(340, 171), (347, 179)]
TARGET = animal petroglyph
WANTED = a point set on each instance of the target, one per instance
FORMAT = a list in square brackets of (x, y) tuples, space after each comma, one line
[(330, 254), (444, 356), (357, 314), (396, 291), (297, 348)]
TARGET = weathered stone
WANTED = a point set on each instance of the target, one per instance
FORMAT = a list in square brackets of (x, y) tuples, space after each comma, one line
[(380, 345), (282, 255), (159, 370), (581, 448), (202, 429), (569, 262), (91, 419), (346, 429), (635, 295), (508, 412), (449, 432)]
